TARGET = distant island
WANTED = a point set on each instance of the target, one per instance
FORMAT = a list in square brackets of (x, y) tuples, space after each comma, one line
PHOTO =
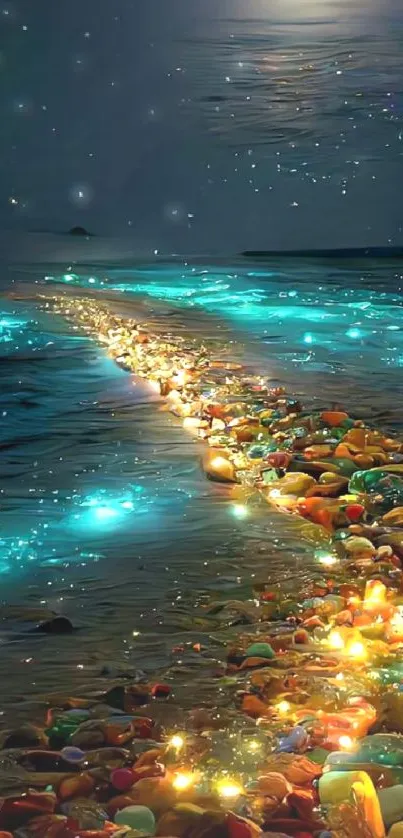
[(79, 231), (389, 252)]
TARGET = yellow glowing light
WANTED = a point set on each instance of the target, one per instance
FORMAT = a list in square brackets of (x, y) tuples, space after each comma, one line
[(283, 707), (339, 676), (229, 789), (181, 782), (177, 742), (219, 462), (346, 743), (328, 560), (335, 640), (357, 650), (375, 592), (254, 746)]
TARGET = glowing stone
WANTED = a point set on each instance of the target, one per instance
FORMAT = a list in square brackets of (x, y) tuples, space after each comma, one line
[(283, 707), (181, 782), (229, 789)]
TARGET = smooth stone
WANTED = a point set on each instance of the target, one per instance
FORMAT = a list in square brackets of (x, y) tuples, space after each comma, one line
[(72, 754), (88, 813), (122, 779), (26, 736), (343, 465), (357, 544), (56, 625), (382, 748), (391, 803), (260, 650), (137, 817)]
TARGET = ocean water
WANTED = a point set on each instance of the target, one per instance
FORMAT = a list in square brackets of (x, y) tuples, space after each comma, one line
[(106, 514), (261, 125)]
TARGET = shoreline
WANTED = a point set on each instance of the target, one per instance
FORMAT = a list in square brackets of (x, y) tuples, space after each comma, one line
[(332, 627)]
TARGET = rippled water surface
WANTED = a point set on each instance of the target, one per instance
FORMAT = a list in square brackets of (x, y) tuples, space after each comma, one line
[(262, 124), (106, 515)]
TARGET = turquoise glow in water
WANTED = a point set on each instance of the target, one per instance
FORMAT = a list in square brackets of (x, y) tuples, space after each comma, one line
[(347, 310), (103, 512), (106, 514)]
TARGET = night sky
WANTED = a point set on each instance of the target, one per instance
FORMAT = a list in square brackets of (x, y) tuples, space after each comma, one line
[(203, 126)]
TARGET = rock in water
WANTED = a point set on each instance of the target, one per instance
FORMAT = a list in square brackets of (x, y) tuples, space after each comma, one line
[(79, 231), (56, 625)]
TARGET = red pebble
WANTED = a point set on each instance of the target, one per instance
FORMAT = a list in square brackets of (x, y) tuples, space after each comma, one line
[(142, 728), (122, 779), (354, 511), (278, 459), (160, 690), (301, 636)]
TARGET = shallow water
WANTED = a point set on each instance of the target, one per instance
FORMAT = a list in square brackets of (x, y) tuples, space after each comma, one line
[(106, 515)]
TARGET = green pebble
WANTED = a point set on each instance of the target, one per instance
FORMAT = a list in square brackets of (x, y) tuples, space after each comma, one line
[(260, 650), (319, 756), (345, 467), (137, 817)]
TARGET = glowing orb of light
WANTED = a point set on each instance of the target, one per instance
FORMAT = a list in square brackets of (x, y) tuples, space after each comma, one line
[(346, 743), (240, 510), (357, 650), (81, 194), (105, 511), (335, 640), (353, 333), (181, 782), (229, 789), (308, 338), (325, 558), (283, 707), (177, 741)]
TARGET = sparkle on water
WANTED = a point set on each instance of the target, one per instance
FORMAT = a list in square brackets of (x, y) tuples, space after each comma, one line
[(353, 319), (105, 511)]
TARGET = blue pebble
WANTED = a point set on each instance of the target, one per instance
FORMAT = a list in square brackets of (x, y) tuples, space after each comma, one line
[(72, 754), (299, 736)]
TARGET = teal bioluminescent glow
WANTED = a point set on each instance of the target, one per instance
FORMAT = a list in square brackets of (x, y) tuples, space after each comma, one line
[(353, 333), (275, 304), (10, 328), (106, 511)]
